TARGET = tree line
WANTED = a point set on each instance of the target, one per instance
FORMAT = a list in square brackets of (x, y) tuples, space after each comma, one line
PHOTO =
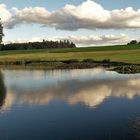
[(45, 44)]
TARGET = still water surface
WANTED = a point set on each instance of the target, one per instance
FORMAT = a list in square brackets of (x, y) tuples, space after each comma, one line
[(92, 104)]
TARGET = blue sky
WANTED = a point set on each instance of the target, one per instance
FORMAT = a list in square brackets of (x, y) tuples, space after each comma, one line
[(31, 29), (55, 4)]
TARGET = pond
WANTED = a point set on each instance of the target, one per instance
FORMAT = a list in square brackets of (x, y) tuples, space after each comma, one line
[(88, 104)]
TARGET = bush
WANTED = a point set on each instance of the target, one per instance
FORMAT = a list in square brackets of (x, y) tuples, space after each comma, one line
[(89, 60), (106, 61)]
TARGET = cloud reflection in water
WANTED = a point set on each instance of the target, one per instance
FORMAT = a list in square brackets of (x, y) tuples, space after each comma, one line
[(69, 86)]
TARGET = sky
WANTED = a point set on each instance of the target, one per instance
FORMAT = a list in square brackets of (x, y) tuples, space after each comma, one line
[(85, 22)]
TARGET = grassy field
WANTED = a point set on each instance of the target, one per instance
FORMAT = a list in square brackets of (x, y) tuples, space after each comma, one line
[(121, 53)]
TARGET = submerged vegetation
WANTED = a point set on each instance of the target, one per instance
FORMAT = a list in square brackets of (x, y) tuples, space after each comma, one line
[(127, 69), (136, 128)]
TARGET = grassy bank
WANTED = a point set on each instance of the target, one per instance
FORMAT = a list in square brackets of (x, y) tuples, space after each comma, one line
[(125, 53), (124, 58)]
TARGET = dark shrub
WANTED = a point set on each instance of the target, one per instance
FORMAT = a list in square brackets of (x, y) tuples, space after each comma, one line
[(106, 61), (89, 60)]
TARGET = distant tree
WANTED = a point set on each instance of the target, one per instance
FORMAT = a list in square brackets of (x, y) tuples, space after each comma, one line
[(1, 32), (132, 42), (72, 45)]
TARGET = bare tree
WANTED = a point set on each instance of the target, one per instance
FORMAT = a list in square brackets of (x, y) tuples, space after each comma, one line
[(1, 32)]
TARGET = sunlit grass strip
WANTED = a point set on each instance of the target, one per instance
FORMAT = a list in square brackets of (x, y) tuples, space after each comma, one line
[(128, 54)]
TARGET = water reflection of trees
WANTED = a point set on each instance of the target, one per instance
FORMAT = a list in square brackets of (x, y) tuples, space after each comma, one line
[(2, 91)]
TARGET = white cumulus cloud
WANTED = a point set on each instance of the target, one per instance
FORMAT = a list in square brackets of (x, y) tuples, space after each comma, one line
[(88, 15), (85, 40)]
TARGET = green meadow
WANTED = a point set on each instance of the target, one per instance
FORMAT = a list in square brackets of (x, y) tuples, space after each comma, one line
[(119, 53)]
